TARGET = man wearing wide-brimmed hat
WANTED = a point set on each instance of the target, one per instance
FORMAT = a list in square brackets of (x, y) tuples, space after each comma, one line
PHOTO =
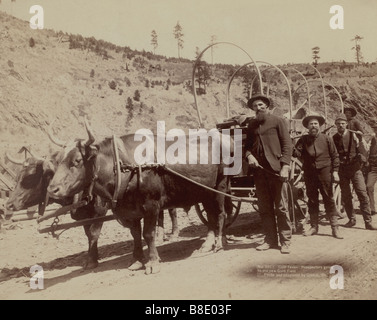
[(347, 143), (372, 160), (268, 149), (320, 164)]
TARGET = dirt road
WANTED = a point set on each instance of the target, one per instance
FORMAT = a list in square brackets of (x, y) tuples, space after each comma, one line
[(238, 272)]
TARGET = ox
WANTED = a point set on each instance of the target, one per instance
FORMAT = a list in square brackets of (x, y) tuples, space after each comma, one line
[(31, 189), (142, 193), (160, 224)]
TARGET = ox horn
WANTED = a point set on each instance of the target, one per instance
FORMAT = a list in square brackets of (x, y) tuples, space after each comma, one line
[(54, 139), (13, 160), (89, 130)]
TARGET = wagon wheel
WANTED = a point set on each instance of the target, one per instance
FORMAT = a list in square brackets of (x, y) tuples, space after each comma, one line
[(291, 207), (338, 199), (296, 195), (231, 216), (296, 172)]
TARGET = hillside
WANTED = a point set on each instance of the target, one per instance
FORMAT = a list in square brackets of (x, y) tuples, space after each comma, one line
[(49, 81)]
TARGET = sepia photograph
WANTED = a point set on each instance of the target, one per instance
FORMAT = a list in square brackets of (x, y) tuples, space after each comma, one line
[(194, 152)]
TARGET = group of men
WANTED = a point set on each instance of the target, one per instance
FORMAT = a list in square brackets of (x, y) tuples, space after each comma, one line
[(326, 159)]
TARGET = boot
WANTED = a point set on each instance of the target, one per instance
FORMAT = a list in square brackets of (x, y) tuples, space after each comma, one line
[(266, 246), (350, 223), (285, 249), (336, 233), (312, 231), (370, 226)]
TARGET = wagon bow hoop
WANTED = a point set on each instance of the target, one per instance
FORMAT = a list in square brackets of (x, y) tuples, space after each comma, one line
[(194, 69)]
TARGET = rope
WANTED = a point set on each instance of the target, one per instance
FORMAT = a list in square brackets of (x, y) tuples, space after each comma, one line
[(206, 187), (157, 165)]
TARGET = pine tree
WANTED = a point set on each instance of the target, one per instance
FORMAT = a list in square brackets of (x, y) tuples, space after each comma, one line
[(154, 41), (178, 35), (357, 48), (316, 57), (213, 40), (202, 73)]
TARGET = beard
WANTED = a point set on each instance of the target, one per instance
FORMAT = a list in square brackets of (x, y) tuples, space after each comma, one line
[(313, 131), (341, 130), (261, 117)]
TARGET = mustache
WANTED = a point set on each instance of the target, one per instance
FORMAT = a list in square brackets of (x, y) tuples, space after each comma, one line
[(313, 130)]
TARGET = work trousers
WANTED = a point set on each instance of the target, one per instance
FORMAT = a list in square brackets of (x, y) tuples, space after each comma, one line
[(352, 173), (320, 180), (371, 181), (272, 196)]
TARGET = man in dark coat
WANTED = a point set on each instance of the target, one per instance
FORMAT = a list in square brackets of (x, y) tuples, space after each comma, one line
[(268, 149), (346, 143), (320, 164)]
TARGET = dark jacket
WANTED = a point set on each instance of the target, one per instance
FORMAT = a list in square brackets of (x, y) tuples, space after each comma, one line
[(269, 140), (317, 152)]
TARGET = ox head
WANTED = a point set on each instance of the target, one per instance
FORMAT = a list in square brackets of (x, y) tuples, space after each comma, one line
[(76, 169), (31, 183)]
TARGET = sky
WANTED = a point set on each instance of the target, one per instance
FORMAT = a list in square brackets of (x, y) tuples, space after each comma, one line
[(276, 31)]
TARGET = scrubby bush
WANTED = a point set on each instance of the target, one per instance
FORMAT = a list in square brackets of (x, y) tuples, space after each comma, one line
[(127, 81), (142, 107), (31, 42), (137, 95), (129, 104), (130, 109), (112, 85)]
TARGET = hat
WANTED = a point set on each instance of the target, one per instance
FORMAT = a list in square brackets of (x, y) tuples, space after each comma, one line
[(373, 122), (341, 117), (311, 116), (353, 110), (265, 99)]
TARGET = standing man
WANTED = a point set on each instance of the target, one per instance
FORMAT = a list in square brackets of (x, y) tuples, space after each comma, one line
[(268, 149), (346, 143), (320, 164), (372, 174)]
